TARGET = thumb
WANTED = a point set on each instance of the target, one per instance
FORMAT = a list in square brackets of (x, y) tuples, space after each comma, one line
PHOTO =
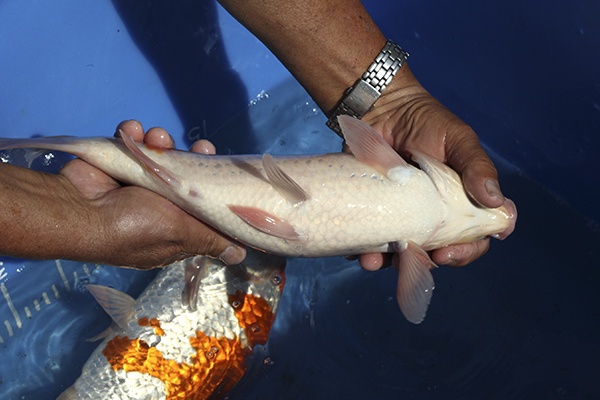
[(479, 175), (208, 241)]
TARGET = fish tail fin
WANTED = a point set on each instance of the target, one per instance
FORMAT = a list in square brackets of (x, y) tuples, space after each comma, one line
[(415, 282), (68, 144), (40, 145)]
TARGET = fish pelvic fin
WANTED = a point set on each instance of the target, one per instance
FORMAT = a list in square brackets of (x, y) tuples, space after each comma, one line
[(69, 394), (117, 304), (161, 174), (282, 182), (196, 269), (415, 282), (266, 222), (369, 147)]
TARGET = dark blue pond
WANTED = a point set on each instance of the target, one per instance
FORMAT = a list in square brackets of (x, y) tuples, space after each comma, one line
[(522, 322)]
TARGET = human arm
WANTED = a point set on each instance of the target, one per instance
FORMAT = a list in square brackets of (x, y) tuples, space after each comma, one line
[(327, 45), (83, 214)]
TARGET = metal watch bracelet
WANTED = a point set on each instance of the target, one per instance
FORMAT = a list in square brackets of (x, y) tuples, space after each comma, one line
[(360, 98)]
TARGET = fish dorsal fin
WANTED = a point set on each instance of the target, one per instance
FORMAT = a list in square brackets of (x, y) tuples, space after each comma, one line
[(117, 304), (196, 269), (415, 282), (368, 146), (282, 182), (265, 222), (160, 173), (444, 178)]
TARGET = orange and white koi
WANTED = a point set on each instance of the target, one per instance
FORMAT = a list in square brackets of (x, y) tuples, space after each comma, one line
[(313, 206), (187, 335)]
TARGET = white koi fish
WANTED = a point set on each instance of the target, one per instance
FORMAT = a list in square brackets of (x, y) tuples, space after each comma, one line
[(312, 206), (187, 335)]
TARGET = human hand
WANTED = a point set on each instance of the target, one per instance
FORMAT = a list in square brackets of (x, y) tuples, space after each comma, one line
[(143, 229), (408, 117)]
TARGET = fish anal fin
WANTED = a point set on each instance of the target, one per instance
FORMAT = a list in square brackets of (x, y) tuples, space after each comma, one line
[(368, 146), (162, 174), (415, 282), (196, 269), (282, 182), (117, 304), (265, 222)]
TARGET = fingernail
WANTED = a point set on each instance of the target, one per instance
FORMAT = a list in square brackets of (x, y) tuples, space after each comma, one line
[(233, 255), (493, 189)]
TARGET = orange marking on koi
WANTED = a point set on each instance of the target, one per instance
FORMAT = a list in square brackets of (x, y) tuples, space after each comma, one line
[(155, 323), (216, 367), (254, 315)]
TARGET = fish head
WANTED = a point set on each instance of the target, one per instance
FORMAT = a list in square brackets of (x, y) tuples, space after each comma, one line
[(260, 275), (464, 220)]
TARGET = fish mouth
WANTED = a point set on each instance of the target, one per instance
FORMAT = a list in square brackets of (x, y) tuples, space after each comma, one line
[(509, 208)]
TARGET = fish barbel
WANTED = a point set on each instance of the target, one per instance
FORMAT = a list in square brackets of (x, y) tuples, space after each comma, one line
[(187, 336), (312, 206)]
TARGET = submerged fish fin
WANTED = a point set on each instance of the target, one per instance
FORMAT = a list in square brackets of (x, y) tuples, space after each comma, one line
[(368, 146), (117, 304), (69, 394), (162, 174), (415, 282), (102, 335), (443, 176), (282, 182), (196, 269), (265, 222)]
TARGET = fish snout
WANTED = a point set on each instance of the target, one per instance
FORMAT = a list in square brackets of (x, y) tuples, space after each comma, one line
[(509, 209)]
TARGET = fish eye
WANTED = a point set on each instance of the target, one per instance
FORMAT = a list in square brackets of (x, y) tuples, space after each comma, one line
[(276, 280)]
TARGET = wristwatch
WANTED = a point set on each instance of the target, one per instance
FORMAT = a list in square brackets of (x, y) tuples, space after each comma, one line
[(360, 98)]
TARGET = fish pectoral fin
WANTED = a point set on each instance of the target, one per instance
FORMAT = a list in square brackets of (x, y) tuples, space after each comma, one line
[(444, 178), (415, 282), (282, 182), (69, 394), (163, 175), (117, 304), (265, 222), (196, 269), (368, 146)]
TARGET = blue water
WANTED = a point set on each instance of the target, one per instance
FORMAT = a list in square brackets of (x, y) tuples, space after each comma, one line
[(520, 323)]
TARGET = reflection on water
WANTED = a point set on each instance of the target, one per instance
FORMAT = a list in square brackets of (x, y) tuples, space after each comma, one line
[(520, 323)]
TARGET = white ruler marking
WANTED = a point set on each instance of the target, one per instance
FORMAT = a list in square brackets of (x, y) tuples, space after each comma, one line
[(62, 275), (56, 293), (9, 328), (13, 310)]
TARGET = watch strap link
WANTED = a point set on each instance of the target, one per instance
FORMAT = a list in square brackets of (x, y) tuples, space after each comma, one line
[(360, 98)]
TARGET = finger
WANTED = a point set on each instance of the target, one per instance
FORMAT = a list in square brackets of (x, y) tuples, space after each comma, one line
[(203, 146), (479, 175), (90, 181), (208, 241), (460, 254), (374, 261), (159, 138), (131, 128)]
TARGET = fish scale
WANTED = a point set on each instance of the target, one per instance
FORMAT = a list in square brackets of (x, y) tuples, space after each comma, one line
[(313, 206), (166, 350)]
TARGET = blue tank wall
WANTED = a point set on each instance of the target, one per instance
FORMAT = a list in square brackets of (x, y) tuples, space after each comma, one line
[(524, 75)]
